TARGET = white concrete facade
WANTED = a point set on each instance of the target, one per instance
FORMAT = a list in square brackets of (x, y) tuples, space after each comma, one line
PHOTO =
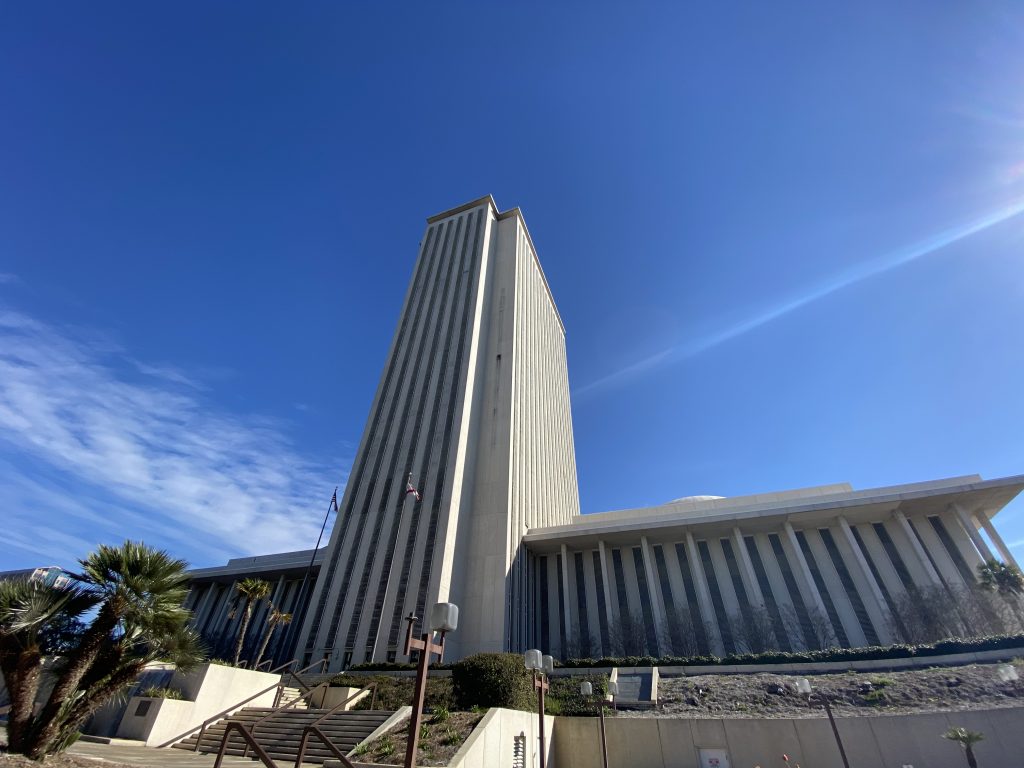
[(822, 566), (474, 403)]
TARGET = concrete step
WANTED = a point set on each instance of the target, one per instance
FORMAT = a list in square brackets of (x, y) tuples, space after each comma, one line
[(280, 734)]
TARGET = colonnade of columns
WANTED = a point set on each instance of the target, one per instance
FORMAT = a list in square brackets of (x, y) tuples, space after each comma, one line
[(843, 574)]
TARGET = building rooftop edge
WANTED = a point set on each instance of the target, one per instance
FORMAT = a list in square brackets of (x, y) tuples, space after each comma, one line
[(501, 216), (664, 514)]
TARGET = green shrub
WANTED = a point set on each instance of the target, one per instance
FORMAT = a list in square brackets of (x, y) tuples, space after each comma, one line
[(564, 697), (492, 680), (385, 746), (396, 692), (867, 653), (158, 692), (441, 715)]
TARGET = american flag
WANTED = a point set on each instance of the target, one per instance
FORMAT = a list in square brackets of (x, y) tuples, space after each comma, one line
[(410, 488), (334, 500)]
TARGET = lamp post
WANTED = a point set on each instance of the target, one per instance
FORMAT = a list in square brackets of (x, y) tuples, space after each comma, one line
[(587, 690), (444, 617), (542, 666), (803, 685)]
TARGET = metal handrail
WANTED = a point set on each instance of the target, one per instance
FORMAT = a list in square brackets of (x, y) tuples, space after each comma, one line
[(215, 718), (313, 730), (276, 710), (279, 685), (265, 758), (314, 727), (372, 687)]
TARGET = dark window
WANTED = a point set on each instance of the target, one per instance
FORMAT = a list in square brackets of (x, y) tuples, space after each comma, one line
[(716, 597), (886, 595), (737, 580), (561, 607), (645, 602), (851, 589), (581, 607), (894, 556), (826, 597), (545, 616), (692, 603), (951, 549), (781, 635), (810, 639), (602, 611), (666, 596), (620, 583)]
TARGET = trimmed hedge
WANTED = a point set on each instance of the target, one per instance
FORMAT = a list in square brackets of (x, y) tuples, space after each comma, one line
[(492, 680), (396, 692), (868, 653), (564, 695)]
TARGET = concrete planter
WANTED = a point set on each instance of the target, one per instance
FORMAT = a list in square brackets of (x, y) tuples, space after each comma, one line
[(154, 720), (208, 689), (330, 697)]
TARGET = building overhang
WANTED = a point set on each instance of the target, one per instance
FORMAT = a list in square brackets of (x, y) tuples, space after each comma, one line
[(287, 564), (768, 512)]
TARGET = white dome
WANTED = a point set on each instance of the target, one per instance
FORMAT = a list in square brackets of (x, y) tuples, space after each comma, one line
[(697, 498)]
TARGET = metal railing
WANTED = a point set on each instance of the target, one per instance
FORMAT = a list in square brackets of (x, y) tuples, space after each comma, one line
[(313, 729), (265, 758), (279, 685), (277, 710)]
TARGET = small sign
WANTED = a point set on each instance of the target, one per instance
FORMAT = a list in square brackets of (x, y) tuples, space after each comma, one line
[(143, 709), (713, 758)]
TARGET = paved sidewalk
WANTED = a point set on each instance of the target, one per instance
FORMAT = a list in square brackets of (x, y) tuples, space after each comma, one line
[(136, 754), (163, 758)]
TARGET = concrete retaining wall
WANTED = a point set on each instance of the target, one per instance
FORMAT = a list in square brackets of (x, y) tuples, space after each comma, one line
[(871, 742), (208, 689), (494, 741)]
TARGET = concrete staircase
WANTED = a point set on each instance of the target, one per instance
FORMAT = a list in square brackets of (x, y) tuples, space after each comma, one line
[(280, 735), (290, 695), (638, 687)]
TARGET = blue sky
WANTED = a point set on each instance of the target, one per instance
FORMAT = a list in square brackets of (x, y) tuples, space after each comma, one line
[(785, 239)]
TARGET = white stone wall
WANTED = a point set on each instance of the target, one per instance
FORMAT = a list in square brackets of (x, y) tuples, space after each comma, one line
[(474, 401)]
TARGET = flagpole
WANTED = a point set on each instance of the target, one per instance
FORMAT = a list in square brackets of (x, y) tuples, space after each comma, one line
[(296, 624)]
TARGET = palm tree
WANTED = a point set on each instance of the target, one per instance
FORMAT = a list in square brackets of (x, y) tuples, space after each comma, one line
[(252, 590), (139, 592), (1004, 579), (274, 619), (27, 608), (967, 740)]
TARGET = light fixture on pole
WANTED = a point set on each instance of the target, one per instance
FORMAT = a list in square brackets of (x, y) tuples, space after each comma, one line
[(803, 685), (542, 666), (444, 617), (586, 691), (613, 691)]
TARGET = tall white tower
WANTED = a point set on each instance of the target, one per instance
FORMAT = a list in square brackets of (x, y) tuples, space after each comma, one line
[(474, 404)]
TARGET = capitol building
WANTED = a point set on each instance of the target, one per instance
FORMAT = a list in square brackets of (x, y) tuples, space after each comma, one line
[(464, 490)]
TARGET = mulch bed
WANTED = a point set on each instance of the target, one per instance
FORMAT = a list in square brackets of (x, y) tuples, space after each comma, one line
[(851, 694), (438, 745)]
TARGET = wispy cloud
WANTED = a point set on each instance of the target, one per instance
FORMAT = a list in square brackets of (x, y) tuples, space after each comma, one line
[(94, 455), (855, 274), (7, 277)]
